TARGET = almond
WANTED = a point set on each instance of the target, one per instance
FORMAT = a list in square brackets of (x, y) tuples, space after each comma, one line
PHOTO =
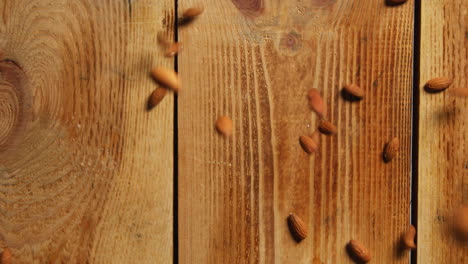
[(173, 49), (391, 149), (461, 92), (167, 78), (156, 97), (6, 256), (438, 84), (193, 12), (359, 251), (316, 101), (461, 222), (397, 1), (224, 125), (308, 144), (408, 238), (354, 90), (316, 261), (327, 127), (297, 227)]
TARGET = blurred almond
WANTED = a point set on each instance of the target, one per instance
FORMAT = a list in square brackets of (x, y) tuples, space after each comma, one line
[(354, 90), (224, 125), (6, 256), (316, 102), (193, 12), (308, 144), (460, 222), (391, 149), (316, 261), (326, 127), (408, 238), (167, 78), (396, 1), (359, 251), (438, 84), (173, 49), (297, 227), (460, 92), (156, 97)]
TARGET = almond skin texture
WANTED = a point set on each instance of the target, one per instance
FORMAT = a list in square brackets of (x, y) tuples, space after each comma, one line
[(308, 144), (391, 149), (167, 78), (460, 222), (408, 238), (316, 101), (327, 128), (359, 251), (173, 49), (6, 256), (193, 12), (224, 125), (297, 227), (460, 92), (354, 90), (156, 97), (438, 84)]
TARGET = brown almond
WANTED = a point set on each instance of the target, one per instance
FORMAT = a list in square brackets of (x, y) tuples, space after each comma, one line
[(224, 125), (156, 97), (316, 261), (193, 12), (167, 78), (359, 251), (173, 49), (316, 102), (297, 227), (397, 1), (408, 238), (460, 92), (354, 90), (327, 127), (308, 144), (438, 84), (391, 149), (6, 256), (461, 222)]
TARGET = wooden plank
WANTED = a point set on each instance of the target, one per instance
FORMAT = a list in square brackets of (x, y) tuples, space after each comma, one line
[(255, 61), (443, 131), (86, 171)]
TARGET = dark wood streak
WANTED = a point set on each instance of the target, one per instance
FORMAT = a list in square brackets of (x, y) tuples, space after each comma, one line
[(250, 8)]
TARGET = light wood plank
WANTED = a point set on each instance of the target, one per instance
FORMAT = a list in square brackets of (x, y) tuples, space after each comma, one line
[(86, 171), (443, 131), (255, 61)]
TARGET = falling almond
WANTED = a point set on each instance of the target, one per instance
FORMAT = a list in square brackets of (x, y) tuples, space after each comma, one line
[(315, 101), (359, 251), (156, 97), (327, 127), (438, 84), (173, 49), (408, 238), (391, 149), (224, 125), (461, 222), (308, 144), (297, 227), (354, 90), (193, 12), (167, 78)]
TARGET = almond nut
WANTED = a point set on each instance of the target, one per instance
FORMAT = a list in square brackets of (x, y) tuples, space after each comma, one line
[(461, 222), (461, 92), (173, 49), (308, 144), (6, 256), (316, 101), (327, 127), (156, 97), (297, 227), (354, 90), (167, 78), (391, 149), (193, 12), (316, 261), (438, 84), (397, 1), (224, 125), (359, 251), (408, 238)]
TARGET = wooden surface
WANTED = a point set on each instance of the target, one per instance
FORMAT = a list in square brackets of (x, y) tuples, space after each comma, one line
[(443, 136), (86, 173), (255, 61)]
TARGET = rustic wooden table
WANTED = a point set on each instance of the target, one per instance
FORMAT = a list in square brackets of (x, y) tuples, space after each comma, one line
[(89, 175)]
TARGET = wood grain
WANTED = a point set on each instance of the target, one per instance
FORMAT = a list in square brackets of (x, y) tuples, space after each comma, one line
[(443, 131), (254, 61), (86, 173)]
